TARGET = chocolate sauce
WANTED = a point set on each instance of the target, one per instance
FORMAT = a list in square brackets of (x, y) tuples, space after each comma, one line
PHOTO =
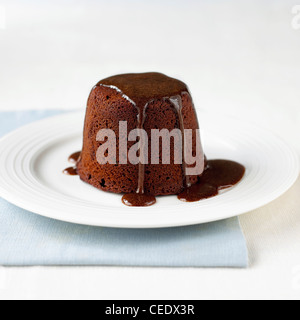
[(198, 192), (141, 180), (72, 171), (138, 200), (223, 173), (219, 175), (74, 158), (177, 104)]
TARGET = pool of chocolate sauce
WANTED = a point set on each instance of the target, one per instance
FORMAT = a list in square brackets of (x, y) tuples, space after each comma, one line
[(138, 200), (218, 175)]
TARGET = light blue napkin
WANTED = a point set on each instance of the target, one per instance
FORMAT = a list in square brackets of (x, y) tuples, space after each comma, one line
[(27, 239)]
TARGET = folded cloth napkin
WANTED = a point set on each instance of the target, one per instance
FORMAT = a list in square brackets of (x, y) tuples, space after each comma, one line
[(27, 239)]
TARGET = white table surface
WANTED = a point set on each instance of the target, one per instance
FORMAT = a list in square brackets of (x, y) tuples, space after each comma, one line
[(238, 57)]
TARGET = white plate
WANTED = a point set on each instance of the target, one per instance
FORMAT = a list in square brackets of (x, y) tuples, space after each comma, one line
[(33, 157)]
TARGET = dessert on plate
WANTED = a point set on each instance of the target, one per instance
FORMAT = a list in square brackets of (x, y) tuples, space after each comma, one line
[(141, 138)]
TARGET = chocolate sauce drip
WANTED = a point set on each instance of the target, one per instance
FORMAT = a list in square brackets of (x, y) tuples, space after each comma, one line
[(177, 103), (138, 200), (72, 171), (219, 175), (141, 177), (74, 158)]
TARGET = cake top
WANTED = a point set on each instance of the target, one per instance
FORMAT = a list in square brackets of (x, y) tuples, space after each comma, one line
[(146, 86)]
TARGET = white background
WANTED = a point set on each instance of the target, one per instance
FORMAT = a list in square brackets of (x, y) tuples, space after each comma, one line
[(238, 57)]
